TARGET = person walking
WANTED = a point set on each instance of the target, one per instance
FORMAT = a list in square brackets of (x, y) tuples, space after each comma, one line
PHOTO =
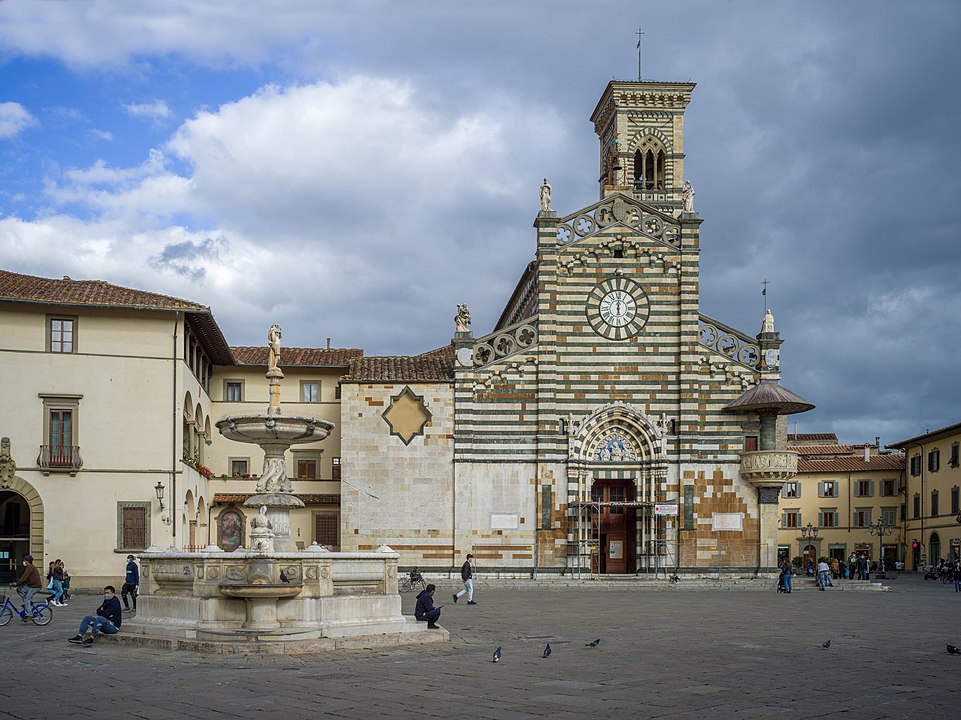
[(56, 582), (957, 576), (107, 620), (27, 586), (787, 574), (425, 610), (131, 582), (824, 575), (467, 575)]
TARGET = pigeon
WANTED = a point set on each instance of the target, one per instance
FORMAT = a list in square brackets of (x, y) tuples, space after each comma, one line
[(283, 577), (497, 653), (952, 650), (594, 644), (826, 645), (547, 650)]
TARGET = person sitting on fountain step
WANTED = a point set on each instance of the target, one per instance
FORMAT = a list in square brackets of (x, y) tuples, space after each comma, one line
[(425, 610), (107, 620)]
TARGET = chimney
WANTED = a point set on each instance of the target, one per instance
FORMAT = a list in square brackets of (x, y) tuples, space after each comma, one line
[(867, 452), (328, 343)]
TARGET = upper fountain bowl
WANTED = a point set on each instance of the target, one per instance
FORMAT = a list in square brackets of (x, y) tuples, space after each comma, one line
[(285, 429)]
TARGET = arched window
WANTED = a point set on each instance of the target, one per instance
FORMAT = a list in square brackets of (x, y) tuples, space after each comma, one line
[(649, 164)]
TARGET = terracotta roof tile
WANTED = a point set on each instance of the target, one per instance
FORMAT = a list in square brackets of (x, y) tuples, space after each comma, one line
[(432, 366), (813, 437), (300, 357), (809, 450), (894, 461), (308, 498), (28, 288)]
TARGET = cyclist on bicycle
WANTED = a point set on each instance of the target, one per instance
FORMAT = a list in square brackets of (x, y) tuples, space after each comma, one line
[(28, 585)]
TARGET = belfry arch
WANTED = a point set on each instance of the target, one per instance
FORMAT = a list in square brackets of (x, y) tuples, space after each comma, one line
[(614, 469)]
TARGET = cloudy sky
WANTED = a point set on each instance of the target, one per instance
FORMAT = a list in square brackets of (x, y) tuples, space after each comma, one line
[(354, 169)]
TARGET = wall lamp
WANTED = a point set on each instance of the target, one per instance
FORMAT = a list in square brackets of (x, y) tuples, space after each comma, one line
[(159, 489)]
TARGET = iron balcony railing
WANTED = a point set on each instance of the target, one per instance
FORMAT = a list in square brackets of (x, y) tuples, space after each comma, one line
[(60, 458)]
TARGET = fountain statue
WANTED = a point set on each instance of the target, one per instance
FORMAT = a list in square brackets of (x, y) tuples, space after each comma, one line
[(273, 595)]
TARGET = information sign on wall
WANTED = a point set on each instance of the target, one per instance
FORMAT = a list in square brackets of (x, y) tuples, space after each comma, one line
[(727, 521)]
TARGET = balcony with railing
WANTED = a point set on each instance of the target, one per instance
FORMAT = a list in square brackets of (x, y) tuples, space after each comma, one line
[(59, 458)]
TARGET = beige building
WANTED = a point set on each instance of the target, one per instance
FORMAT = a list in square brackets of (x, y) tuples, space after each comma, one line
[(843, 491), (109, 404), (932, 482)]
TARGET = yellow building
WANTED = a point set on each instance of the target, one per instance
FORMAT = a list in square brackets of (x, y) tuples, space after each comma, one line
[(842, 491), (931, 490)]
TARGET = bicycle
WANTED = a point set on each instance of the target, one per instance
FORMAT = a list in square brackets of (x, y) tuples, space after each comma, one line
[(42, 612), (410, 581)]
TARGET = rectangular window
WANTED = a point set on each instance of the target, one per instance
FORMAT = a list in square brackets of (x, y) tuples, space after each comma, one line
[(233, 391), (310, 392), (337, 392), (889, 488), (239, 467), (861, 518), (792, 490), (133, 531), (864, 488), (915, 465), (889, 516), (829, 488), (934, 503), (955, 509), (934, 460), (829, 518), (750, 443), (61, 438), (917, 506), (791, 519), (955, 450), (335, 468), (61, 334), (61, 450), (326, 529), (307, 469)]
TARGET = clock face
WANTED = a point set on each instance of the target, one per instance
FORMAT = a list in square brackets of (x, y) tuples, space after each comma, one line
[(617, 308)]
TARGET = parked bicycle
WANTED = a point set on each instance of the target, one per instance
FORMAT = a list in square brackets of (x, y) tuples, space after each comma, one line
[(411, 580), (42, 612)]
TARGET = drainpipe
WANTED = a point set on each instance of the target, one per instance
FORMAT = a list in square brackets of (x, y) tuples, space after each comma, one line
[(173, 439)]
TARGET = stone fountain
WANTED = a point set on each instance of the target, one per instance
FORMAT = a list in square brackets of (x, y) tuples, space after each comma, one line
[(272, 597)]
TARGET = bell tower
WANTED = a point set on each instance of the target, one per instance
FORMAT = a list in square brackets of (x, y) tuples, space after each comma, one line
[(640, 126)]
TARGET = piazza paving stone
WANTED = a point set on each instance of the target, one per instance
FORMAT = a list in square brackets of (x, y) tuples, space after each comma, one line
[(663, 654)]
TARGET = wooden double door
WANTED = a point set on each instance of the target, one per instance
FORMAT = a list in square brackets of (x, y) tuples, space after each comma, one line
[(615, 527)]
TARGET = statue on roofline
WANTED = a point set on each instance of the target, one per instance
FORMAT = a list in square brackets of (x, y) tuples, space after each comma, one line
[(462, 319), (546, 195)]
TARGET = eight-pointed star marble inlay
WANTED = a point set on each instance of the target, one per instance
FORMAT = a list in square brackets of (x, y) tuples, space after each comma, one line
[(407, 415)]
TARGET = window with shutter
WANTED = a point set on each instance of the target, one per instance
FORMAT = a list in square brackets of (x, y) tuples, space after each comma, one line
[(326, 527), (133, 531)]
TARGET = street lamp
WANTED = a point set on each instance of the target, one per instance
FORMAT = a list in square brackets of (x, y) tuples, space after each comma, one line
[(881, 528), (809, 535)]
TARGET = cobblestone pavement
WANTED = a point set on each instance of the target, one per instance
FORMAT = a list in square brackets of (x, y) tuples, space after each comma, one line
[(663, 654)]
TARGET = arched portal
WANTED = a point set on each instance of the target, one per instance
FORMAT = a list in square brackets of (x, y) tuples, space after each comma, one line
[(614, 463), (935, 545), (21, 527)]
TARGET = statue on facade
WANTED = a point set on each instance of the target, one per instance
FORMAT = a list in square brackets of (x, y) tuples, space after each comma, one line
[(273, 347), (688, 197), (546, 196), (462, 319), (8, 468), (767, 325)]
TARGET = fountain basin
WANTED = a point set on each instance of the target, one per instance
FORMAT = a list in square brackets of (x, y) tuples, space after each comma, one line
[(261, 601), (261, 590), (280, 429)]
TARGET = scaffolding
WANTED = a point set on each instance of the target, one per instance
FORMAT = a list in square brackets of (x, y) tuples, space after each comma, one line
[(651, 547)]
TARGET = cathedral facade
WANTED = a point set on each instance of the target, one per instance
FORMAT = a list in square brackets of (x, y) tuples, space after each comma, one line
[(605, 425)]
